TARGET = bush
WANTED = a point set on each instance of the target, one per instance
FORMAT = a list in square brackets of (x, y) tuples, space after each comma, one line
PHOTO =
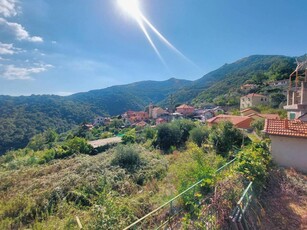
[(129, 137), (198, 135), (168, 135), (224, 137), (254, 162), (127, 157)]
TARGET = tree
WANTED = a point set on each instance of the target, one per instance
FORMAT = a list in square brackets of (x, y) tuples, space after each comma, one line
[(277, 99), (224, 137), (258, 125), (198, 135), (168, 135)]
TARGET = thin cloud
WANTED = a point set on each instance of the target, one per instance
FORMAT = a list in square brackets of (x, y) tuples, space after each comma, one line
[(18, 31), (8, 49), (8, 8), (11, 72)]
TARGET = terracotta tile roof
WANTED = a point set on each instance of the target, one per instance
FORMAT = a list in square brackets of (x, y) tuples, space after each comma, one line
[(233, 119), (184, 106), (263, 115), (293, 128), (245, 110)]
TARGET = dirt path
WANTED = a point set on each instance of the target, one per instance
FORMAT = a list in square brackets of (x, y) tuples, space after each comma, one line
[(284, 201)]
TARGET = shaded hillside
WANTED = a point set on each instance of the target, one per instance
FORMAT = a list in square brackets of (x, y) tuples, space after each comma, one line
[(231, 76), (23, 117)]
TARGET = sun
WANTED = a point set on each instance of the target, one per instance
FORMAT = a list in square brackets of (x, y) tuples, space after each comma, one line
[(132, 7)]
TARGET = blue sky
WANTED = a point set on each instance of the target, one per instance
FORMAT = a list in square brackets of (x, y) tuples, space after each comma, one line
[(62, 47)]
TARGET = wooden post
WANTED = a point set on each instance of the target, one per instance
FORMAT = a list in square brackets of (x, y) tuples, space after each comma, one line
[(79, 222)]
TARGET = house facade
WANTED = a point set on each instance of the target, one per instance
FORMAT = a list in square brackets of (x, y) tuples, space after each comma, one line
[(185, 109), (253, 99), (288, 142)]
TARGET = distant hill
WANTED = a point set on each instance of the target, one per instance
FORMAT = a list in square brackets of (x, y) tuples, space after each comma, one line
[(117, 99), (23, 117)]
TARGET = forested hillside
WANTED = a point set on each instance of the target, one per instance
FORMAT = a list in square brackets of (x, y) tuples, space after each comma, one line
[(23, 117), (229, 77)]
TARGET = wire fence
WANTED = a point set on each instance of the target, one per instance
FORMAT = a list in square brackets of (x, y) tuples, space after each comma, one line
[(247, 213), (169, 213)]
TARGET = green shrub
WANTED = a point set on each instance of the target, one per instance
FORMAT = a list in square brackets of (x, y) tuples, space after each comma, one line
[(254, 163), (198, 135), (225, 137), (127, 157)]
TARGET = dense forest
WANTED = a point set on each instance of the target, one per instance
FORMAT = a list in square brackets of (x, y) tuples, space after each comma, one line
[(22, 117)]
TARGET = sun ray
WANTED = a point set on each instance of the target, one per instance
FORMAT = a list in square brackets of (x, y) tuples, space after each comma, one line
[(166, 41), (141, 24)]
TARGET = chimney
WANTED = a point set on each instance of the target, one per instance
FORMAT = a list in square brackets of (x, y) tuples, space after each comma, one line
[(286, 124)]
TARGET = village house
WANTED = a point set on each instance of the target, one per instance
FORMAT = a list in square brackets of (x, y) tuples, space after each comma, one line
[(288, 142), (247, 87), (280, 83), (297, 96), (133, 116), (241, 122), (101, 121), (248, 111), (157, 112), (253, 99), (185, 109)]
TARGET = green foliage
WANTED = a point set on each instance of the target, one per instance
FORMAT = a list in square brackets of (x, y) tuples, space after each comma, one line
[(225, 137), (258, 126), (129, 137), (168, 135), (254, 163), (127, 157), (277, 99), (199, 135)]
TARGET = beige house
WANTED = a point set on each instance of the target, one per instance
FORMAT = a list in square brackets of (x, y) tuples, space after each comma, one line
[(288, 142), (253, 99), (157, 112)]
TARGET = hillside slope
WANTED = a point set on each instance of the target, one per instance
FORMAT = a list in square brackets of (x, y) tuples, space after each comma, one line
[(231, 76)]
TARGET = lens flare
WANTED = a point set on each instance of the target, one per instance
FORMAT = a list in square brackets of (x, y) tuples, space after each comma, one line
[(132, 8)]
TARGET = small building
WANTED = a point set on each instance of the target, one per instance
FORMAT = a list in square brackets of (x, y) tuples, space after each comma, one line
[(101, 121), (135, 116), (280, 83), (253, 99), (288, 142), (241, 122), (157, 112), (247, 87), (185, 109)]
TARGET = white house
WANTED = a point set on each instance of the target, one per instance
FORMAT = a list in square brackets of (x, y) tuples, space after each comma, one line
[(288, 142)]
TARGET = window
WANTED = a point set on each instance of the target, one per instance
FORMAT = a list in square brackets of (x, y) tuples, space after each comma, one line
[(261, 99), (292, 116)]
